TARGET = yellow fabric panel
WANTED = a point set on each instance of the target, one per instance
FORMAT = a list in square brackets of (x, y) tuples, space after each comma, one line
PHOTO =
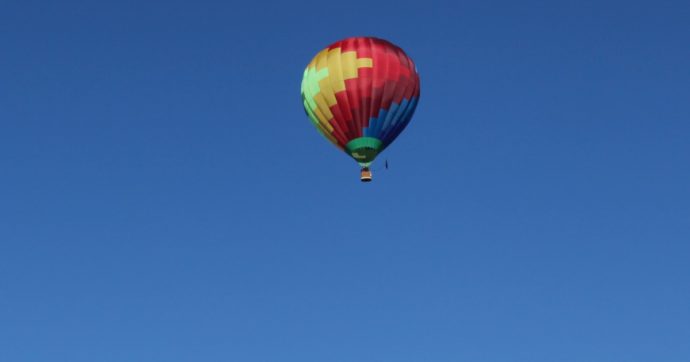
[(323, 106), (335, 74), (327, 90), (323, 120), (328, 127), (319, 60), (325, 98), (349, 66), (320, 116), (328, 135), (365, 63), (325, 86)]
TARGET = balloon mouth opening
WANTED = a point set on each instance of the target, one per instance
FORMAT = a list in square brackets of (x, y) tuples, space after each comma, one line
[(365, 175)]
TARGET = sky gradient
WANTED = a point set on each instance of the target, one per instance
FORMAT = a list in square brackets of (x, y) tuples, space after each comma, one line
[(163, 196)]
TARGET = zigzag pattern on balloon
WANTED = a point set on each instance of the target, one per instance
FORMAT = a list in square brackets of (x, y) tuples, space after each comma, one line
[(360, 87)]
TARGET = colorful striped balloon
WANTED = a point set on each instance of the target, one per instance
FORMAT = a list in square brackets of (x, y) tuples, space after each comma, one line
[(360, 93)]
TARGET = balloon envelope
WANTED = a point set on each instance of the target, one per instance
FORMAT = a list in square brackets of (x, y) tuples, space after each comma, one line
[(360, 93)]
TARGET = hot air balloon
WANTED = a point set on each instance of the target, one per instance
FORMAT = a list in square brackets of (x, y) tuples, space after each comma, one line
[(360, 93)]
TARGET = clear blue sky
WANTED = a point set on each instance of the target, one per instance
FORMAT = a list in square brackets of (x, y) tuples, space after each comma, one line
[(163, 196)]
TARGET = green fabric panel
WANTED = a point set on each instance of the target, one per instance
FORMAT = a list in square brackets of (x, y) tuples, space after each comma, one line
[(364, 149), (361, 142), (310, 84)]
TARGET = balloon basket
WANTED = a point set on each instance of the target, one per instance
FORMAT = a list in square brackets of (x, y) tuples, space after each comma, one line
[(365, 176)]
